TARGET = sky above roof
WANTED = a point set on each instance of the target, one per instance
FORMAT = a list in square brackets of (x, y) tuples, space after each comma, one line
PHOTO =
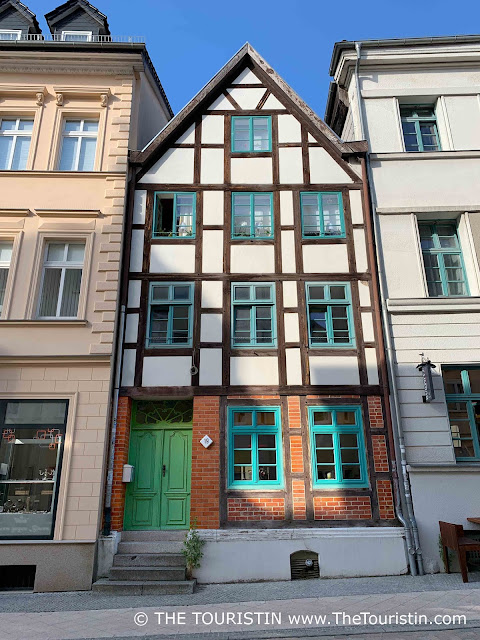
[(190, 40)]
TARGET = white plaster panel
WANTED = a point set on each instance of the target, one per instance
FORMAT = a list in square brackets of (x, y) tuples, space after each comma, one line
[(360, 250), (311, 138), (464, 119), (292, 331), (167, 371), (252, 259), (212, 294), (131, 327), (247, 98), (213, 207), (382, 125), (286, 208), (211, 327), (175, 167), (294, 366), (364, 293), (289, 129), (288, 252), (291, 166), (211, 167), (326, 258), (128, 367), (247, 77), (210, 366), (356, 206), (172, 258), (367, 326), (212, 253), (290, 298), (324, 169), (253, 370), (273, 103), (188, 137), (212, 130), (221, 104), (332, 370), (134, 289), (372, 366), (139, 203), (251, 171), (136, 250)]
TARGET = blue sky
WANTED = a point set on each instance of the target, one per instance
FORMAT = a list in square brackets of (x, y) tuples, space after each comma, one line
[(190, 40)]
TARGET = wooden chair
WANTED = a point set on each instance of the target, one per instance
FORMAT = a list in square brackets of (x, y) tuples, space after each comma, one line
[(454, 538)]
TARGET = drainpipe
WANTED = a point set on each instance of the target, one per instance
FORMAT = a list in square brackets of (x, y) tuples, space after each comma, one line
[(393, 417)]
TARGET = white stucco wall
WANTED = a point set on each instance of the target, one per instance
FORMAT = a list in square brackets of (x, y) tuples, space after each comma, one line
[(212, 294), (167, 371), (252, 259), (174, 167), (172, 258), (252, 370), (341, 370)]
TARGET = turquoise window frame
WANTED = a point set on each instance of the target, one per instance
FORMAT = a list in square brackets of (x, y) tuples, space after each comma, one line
[(330, 303), (336, 430), (440, 252), (174, 236), (417, 120), (251, 236), (253, 302), (170, 303), (254, 431), (322, 233), (251, 131), (469, 399)]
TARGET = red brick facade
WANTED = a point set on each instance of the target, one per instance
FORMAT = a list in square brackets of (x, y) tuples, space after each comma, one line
[(122, 440), (298, 497), (385, 499), (253, 508), (380, 457), (342, 508), (375, 412), (296, 454)]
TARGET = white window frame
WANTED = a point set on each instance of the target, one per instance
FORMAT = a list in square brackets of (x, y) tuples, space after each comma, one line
[(16, 133), (17, 32), (8, 266), (89, 35), (64, 265), (80, 135)]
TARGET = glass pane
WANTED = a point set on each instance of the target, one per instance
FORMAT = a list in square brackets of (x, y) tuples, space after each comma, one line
[(326, 472), (474, 376), (447, 236), (3, 286), (457, 289), (428, 132), (6, 249), (265, 418), (181, 292), (242, 457), (55, 252), (267, 473), (263, 293), (159, 325), (50, 290), (75, 253), (452, 260), (160, 292), (8, 125), (346, 417), (464, 448), (242, 473), (266, 441), (452, 379), (184, 215), (71, 293), (322, 417), (337, 292), (241, 134), (325, 455), (348, 440), (260, 134), (349, 455), (72, 125), (90, 126), (242, 419), (323, 439), (241, 319), (86, 161), (69, 152), (410, 136), (331, 214), (37, 412), (25, 125), (242, 441), (180, 324), (316, 292), (20, 155), (242, 293), (351, 472), (426, 237), (267, 456), (6, 143), (318, 324)]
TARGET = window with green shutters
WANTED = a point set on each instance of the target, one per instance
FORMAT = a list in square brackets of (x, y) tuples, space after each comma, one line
[(252, 216), (251, 134), (322, 215), (329, 315), (462, 393), (419, 125), (443, 260), (253, 314), (170, 315)]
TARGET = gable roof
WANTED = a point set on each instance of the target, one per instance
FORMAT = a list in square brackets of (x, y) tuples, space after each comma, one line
[(246, 56), (69, 7), (24, 10)]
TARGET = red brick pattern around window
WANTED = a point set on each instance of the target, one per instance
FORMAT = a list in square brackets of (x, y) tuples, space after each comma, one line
[(342, 507), (294, 417), (298, 495), (122, 439), (255, 508), (380, 457), (385, 499), (296, 454), (375, 412)]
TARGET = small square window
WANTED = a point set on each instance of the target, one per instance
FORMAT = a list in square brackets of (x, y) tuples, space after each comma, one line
[(251, 134)]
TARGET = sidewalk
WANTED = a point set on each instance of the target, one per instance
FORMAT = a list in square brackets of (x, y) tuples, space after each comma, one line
[(260, 610)]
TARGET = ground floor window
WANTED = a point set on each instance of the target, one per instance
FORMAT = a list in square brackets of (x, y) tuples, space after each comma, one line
[(462, 392), (255, 453), (338, 447), (31, 447)]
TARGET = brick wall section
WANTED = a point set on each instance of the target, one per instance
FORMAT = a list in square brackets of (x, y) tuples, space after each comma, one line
[(298, 495), (385, 499), (122, 440), (296, 454), (380, 457), (255, 508), (375, 412), (342, 508), (294, 421), (205, 495)]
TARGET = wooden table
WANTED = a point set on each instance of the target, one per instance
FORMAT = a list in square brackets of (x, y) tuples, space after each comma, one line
[(474, 520)]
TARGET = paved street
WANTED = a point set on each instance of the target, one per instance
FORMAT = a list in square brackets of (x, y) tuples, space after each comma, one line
[(320, 608)]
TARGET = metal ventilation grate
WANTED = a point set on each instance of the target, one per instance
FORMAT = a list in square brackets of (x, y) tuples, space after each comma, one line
[(304, 565), (17, 577)]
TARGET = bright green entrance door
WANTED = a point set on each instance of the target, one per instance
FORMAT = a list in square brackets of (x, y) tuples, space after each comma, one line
[(159, 496)]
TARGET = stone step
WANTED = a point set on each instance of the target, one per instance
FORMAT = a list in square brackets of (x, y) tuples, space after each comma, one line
[(149, 560), (139, 588), (164, 546), (152, 536), (147, 573)]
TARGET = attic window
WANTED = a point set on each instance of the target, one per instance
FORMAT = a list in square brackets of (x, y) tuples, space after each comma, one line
[(77, 36), (10, 34)]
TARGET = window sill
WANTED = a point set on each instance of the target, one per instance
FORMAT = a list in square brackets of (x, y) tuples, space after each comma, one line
[(43, 323), (447, 467), (424, 155), (430, 305)]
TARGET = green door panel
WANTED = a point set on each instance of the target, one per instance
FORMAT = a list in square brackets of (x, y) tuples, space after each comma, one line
[(175, 503)]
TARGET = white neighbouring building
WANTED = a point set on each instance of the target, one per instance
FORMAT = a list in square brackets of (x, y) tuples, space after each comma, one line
[(416, 101)]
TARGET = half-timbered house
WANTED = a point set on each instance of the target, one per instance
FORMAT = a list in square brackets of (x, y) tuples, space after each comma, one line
[(253, 389)]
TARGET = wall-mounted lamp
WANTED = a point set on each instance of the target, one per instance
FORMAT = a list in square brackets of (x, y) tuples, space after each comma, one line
[(425, 367)]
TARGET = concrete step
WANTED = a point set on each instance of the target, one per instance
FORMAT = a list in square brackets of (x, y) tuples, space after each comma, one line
[(149, 560), (139, 588), (165, 546), (153, 536), (147, 573)]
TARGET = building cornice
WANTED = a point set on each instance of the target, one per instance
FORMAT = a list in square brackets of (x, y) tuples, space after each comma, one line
[(36, 361), (434, 305)]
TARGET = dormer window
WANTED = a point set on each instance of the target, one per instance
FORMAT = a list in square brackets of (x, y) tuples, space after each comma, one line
[(10, 34), (77, 36)]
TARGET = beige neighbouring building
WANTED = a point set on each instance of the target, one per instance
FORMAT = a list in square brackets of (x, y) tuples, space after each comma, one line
[(72, 102)]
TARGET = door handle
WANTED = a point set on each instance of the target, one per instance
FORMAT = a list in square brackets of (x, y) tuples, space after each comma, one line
[(164, 469)]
